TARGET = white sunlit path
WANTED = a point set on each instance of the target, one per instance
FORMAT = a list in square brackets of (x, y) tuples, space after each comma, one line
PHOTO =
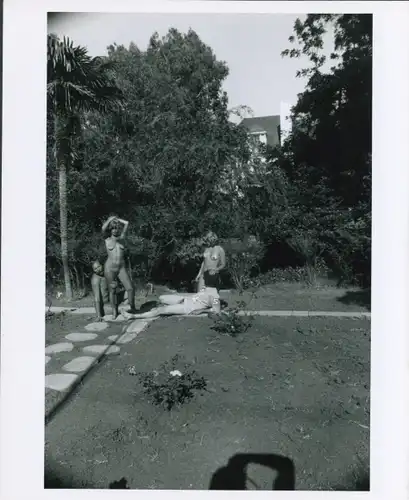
[(68, 362), (101, 349), (60, 381), (79, 364), (97, 327), (59, 347), (81, 337)]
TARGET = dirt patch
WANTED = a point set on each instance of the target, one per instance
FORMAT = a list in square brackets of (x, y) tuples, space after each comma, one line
[(298, 388)]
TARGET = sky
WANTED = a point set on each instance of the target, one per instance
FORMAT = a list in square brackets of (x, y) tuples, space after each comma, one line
[(251, 45)]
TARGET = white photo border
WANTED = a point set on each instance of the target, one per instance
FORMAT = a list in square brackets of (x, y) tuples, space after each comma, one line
[(23, 240)]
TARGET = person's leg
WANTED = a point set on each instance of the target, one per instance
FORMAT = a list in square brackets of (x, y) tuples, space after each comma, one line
[(98, 297), (112, 282), (104, 290), (170, 299), (211, 280), (126, 281), (158, 311)]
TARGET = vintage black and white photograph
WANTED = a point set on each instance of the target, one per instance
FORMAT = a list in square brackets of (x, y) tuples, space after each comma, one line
[(208, 251)]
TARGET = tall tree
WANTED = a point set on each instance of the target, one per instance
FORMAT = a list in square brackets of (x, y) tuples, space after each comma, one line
[(333, 117), (328, 155), (76, 82), (170, 146)]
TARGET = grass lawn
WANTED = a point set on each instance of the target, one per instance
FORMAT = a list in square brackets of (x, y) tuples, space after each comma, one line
[(59, 325), (283, 296), (298, 388)]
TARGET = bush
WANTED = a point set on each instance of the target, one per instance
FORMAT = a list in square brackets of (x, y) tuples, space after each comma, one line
[(243, 258), (231, 323), (169, 387)]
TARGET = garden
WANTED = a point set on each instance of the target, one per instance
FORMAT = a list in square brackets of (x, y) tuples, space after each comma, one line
[(198, 402)]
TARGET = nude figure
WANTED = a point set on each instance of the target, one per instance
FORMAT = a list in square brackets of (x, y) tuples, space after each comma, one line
[(115, 268), (99, 289), (184, 304), (214, 260)]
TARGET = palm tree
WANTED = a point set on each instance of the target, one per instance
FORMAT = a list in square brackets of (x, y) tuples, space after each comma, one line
[(76, 83)]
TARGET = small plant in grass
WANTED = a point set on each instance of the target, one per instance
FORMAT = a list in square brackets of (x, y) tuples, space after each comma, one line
[(231, 323), (174, 384)]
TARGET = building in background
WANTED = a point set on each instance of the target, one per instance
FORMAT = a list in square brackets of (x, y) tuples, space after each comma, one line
[(269, 130)]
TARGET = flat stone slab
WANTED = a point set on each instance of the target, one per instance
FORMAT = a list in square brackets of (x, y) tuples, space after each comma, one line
[(126, 337), (60, 381), (61, 347), (57, 309), (118, 319), (81, 337), (308, 314), (83, 310), (113, 337), (99, 349), (97, 327), (79, 364), (47, 359), (114, 349), (137, 326)]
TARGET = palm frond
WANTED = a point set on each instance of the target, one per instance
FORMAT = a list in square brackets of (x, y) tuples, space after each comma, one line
[(76, 81)]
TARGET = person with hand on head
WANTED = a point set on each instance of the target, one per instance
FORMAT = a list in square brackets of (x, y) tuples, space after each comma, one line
[(114, 231)]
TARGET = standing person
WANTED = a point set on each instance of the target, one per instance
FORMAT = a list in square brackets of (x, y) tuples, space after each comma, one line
[(115, 268), (214, 260)]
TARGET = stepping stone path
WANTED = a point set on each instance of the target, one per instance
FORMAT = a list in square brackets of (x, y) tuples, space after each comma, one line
[(61, 347), (59, 381), (81, 337), (81, 362), (99, 349), (97, 327)]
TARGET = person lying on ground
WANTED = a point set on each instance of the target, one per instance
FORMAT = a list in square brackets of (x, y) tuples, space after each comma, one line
[(214, 260), (207, 300), (115, 229)]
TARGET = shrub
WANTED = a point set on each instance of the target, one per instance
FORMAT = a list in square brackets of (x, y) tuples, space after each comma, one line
[(243, 258), (231, 323), (169, 387), (299, 274)]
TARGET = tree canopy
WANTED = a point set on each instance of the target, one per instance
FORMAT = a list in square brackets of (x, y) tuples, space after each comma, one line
[(170, 160)]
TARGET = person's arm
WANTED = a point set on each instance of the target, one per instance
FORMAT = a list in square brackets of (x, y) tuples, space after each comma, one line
[(200, 273), (125, 228), (107, 223), (222, 259)]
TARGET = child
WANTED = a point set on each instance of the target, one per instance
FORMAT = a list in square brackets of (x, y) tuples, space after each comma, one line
[(99, 289)]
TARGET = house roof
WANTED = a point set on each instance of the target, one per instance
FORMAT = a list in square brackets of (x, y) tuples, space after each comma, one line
[(268, 124)]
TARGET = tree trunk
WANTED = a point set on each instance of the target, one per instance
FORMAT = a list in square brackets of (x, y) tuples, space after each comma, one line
[(62, 171)]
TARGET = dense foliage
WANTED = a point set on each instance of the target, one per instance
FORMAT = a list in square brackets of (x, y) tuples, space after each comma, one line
[(170, 161)]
